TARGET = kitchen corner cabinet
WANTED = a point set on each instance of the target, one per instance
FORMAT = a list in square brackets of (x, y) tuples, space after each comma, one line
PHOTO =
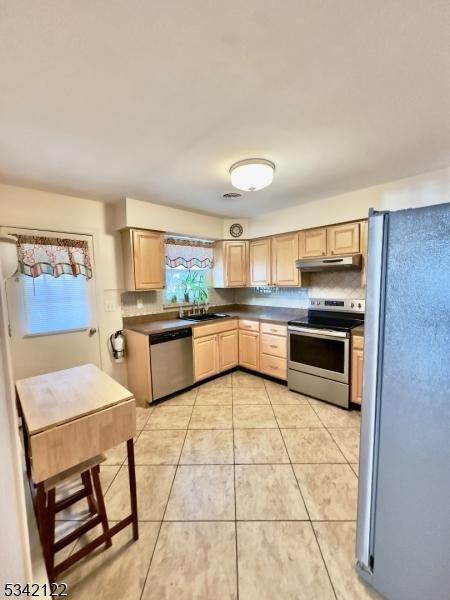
[(260, 262), (343, 239), (231, 264), (249, 349), (143, 259), (357, 369), (284, 255), (313, 243)]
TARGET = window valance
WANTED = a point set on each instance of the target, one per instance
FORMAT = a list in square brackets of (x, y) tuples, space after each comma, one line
[(53, 256), (188, 254)]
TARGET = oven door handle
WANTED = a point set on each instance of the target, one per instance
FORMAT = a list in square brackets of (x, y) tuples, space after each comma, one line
[(319, 333)]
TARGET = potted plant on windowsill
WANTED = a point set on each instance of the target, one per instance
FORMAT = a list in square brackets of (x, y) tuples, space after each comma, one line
[(194, 284)]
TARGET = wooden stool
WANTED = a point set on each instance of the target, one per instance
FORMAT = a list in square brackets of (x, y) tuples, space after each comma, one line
[(48, 507)]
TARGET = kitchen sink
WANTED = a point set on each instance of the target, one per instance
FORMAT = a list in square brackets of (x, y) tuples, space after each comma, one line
[(205, 317)]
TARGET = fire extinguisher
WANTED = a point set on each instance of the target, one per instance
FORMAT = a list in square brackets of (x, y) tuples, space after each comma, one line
[(117, 342)]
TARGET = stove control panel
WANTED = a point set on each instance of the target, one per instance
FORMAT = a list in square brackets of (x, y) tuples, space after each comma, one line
[(358, 306)]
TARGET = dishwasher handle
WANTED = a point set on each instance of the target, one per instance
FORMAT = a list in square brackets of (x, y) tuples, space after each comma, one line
[(170, 336)]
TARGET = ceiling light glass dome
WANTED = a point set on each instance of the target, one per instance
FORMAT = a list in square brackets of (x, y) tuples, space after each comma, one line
[(252, 174)]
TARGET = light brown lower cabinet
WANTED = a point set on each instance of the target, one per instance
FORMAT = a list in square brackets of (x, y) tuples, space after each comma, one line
[(206, 357), (249, 349), (214, 353), (273, 358), (357, 370), (228, 350)]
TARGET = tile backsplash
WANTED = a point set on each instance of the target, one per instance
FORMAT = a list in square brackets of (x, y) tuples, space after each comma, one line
[(322, 285), (154, 301)]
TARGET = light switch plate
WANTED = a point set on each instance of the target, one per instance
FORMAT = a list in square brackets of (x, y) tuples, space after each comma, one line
[(139, 303), (110, 306)]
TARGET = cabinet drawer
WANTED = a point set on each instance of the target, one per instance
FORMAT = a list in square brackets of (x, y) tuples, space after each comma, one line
[(358, 342), (274, 345), (249, 325), (273, 365), (274, 329), (214, 328)]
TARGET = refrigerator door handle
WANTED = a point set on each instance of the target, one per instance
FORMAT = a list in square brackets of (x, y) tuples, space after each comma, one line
[(373, 328)]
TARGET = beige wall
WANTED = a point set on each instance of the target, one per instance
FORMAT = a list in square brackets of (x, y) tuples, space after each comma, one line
[(136, 213), (422, 190), (22, 207)]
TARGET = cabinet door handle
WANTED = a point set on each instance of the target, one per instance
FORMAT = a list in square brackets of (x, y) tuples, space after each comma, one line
[(274, 368), (273, 346)]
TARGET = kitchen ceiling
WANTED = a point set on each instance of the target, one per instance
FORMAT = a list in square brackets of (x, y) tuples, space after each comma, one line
[(155, 99)]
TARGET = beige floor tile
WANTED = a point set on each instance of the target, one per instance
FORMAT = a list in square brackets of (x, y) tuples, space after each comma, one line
[(330, 491), (333, 416), (211, 417), (202, 493), (250, 396), (224, 381), (193, 561), (142, 416), (63, 528), (355, 468), (268, 492), (253, 446), (183, 399), (117, 573), (337, 543), (159, 447), (115, 456), (311, 445), (169, 417), (348, 442), (214, 396), (242, 379), (208, 447), (253, 417), (79, 511), (153, 485), (280, 560), (296, 416), (280, 394)]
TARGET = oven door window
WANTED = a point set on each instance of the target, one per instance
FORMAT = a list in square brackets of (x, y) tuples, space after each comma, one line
[(318, 352)]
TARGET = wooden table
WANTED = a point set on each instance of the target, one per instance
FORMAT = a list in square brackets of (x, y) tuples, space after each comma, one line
[(69, 417)]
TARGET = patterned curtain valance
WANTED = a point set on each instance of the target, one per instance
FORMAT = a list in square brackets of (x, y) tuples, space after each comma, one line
[(188, 254), (53, 256)]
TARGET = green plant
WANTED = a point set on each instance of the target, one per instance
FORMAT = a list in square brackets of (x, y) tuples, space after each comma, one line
[(194, 282)]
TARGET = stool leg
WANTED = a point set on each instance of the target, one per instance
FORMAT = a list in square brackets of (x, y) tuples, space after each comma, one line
[(101, 504), (43, 523), (86, 479)]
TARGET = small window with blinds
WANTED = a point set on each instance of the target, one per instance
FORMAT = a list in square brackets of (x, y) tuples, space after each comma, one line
[(55, 304)]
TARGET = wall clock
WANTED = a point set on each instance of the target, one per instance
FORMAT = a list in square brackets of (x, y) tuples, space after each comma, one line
[(236, 230)]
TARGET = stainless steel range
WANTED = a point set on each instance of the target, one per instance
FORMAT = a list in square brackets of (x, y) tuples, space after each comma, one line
[(319, 349)]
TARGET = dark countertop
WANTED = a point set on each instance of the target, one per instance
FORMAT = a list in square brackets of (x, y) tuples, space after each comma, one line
[(267, 314), (358, 330)]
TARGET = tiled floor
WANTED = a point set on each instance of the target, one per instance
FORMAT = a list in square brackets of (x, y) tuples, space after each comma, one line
[(245, 490)]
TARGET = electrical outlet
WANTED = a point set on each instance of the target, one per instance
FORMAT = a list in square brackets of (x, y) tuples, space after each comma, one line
[(139, 303), (110, 306)]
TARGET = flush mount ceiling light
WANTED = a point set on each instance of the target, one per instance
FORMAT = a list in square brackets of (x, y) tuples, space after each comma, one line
[(252, 174)]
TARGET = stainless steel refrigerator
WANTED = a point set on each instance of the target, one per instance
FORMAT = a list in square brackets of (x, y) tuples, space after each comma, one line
[(403, 535)]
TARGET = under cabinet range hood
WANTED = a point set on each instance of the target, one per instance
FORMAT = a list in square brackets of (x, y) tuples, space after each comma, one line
[(330, 263)]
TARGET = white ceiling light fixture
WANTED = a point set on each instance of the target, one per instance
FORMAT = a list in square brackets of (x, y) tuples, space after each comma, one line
[(252, 174)]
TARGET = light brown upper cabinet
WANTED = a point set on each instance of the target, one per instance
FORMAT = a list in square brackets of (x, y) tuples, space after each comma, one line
[(143, 258), (343, 239), (231, 264), (260, 262), (313, 243), (284, 255)]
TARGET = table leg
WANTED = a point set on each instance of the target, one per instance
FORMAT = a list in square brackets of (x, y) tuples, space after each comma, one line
[(133, 495)]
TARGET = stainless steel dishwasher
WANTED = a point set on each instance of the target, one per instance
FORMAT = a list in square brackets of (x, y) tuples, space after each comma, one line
[(171, 360)]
